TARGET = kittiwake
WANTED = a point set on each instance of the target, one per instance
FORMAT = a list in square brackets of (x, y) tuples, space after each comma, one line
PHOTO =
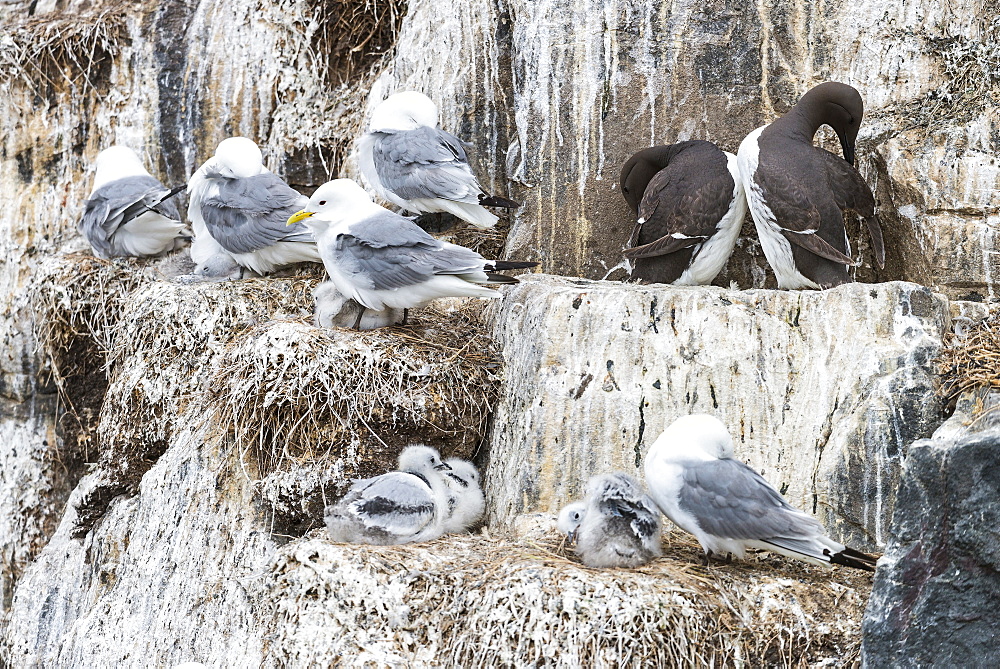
[(408, 161), (385, 261), (726, 505), (129, 213), (465, 496), (238, 210), (617, 525), (398, 507)]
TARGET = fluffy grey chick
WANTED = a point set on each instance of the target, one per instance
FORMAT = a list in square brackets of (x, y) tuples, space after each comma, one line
[(617, 525), (333, 310), (465, 497), (398, 507)]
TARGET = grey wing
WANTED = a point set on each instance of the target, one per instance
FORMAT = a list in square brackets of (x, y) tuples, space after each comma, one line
[(731, 500), (851, 192), (118, 202), (388, 251), (249, 214), (424, 163), (397, 503)]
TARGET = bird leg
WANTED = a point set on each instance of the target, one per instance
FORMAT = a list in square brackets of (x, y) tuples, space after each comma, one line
[(406, 314), (361, 312), (706, 559), (729, 558)]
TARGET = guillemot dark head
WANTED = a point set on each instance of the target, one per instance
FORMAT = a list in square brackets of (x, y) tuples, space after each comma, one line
[(639, 170), (832, 103)]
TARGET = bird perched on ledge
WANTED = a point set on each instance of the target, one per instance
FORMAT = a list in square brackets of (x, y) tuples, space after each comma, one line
[(408, 161), (385, 261), (797, 192), (690, 205), (398, 507), (238, 209), (617, 525), (726, 505), (129, 213)]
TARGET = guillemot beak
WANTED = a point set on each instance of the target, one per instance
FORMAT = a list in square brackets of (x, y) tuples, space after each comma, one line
[(298, 216)]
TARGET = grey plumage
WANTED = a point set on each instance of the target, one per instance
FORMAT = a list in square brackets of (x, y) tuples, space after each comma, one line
[(410, 162), (696, 482), (129, 213), (465, 496), (619, 526), (333, 310), (397, 507), (238, 210), (385, 261), (246, 215)]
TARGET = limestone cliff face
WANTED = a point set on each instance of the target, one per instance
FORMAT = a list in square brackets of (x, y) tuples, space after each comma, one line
[(827, 389)]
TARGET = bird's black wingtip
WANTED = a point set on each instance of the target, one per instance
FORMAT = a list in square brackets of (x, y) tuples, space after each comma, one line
[(855, 559), (498, 201)]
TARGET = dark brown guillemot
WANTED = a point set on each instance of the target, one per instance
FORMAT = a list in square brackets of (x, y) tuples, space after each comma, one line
[(797, 192), (689, 202)]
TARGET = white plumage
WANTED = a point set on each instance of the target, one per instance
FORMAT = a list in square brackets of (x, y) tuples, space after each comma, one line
[(465, 497), (726, 505)]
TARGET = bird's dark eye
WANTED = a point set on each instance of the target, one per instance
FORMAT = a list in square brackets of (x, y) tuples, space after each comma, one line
[(322, 201), (625, 190)]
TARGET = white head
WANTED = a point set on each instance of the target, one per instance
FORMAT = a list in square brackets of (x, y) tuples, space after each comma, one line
[(698, 436), (570, 519), (404, 111), (421, 459), (464, 470), (117, 162), (239, 157), (332, 202)]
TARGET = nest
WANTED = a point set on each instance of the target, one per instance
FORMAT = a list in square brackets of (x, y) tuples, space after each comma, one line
[(355, 34), (970, 80), (474, 601), (77, 302), (288, 392), (970, 359), (68, 51)]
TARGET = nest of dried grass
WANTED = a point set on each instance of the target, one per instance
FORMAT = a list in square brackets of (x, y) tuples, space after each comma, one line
[(64, 51), (473, 601), (77, 302), (970, 79), (354, 34), (287, 392), (970, 358)]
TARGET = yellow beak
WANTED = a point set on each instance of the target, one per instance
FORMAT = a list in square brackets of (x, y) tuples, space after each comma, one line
[(298, 216)]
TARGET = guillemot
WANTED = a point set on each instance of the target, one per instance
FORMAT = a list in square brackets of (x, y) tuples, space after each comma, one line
[(797, 192), (689, 202)]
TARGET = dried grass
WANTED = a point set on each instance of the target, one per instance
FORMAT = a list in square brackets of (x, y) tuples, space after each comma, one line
[(288, 392), (473, 601), (355, 34), (64, 51), (970, 360), (969, 75)]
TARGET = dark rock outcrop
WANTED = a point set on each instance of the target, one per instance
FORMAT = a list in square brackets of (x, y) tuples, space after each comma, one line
[(936, 592)]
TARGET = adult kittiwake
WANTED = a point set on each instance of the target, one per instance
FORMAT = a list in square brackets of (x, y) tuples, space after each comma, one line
[(408, 161), (398, 507), (129, 213), (385, 261), (617, 525), (238, 210), (726, 505), (797, 192), (465, 497), (689, 202)]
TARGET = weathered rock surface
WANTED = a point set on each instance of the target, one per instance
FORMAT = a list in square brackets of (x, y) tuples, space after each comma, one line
[(823, 391), (934, 601)]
